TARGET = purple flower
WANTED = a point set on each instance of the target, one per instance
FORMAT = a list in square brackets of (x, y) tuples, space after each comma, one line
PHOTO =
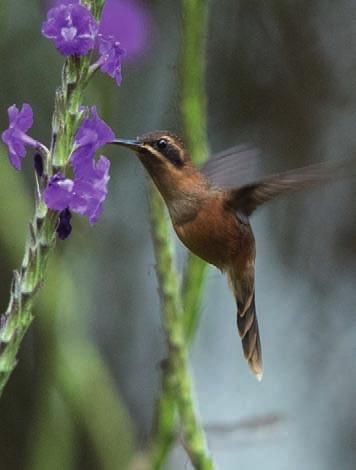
[(86, 193), (110, 57), (58, 193), (90, 193), (83, 195), (129, 22), (15, 136), (92, 134), (72, 28)]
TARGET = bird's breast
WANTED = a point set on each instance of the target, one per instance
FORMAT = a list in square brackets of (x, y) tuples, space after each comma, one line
[(216, 235)]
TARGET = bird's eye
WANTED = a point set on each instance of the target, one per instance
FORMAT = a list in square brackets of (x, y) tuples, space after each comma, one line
[(162, 144), (168, 151)]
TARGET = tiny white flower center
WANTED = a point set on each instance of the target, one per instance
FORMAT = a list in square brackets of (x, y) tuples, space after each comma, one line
[(68, 34), (66, 184)]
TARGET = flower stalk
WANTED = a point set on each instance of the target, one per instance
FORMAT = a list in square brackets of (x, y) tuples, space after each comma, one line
[(25, 284), (177, 377), (27, 281), (193, 112), (194, 118)]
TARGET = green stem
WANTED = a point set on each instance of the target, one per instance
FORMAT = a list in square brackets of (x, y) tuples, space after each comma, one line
[(194, 117), (192, 76), (25, 284), (42, 230), (193, 109), (176, 368), (193, 290)]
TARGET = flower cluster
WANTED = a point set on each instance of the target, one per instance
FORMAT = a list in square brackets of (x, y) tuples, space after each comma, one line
[(74, 31), (128, 21), (86, 193)]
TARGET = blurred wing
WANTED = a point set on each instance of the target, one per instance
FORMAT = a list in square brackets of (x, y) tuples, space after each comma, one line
[(247, 198), (234, 167)]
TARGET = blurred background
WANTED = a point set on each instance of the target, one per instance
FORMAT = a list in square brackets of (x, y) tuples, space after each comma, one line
[(281, 74)]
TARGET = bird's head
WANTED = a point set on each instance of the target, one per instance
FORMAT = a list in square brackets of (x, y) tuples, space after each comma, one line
[(166, 160), (161, 150)]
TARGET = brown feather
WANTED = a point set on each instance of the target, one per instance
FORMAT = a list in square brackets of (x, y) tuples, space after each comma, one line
[(234, 167), (243, 286), (247, 198)]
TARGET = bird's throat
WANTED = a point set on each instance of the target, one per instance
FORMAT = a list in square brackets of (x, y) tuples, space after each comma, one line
[(183, 195)]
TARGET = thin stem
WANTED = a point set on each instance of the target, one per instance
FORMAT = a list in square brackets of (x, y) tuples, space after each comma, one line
[(193, 109), (192, 293), (194, 117), (27, 281), (25, 284), (92, 71), (176, 369), (192, 76)]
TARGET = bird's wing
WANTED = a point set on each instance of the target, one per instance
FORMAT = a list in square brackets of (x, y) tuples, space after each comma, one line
[(234, 167), (247, 198)]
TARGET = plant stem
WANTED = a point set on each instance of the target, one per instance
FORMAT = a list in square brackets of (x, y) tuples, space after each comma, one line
[(42, 230), (25, 284), (176, 368), (193, 110), (192, 76), (192, 293), (194, 118)]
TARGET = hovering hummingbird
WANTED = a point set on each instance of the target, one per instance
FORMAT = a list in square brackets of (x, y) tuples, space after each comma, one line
[(210, 209)]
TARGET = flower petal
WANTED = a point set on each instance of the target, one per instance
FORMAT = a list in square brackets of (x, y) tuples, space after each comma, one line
[(25, 118), (92, 134), (58, 193), (89, 194), (111, 54), (15, 136), (129, 22)]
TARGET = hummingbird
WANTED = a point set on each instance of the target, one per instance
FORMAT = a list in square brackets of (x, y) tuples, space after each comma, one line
[(210, 209)]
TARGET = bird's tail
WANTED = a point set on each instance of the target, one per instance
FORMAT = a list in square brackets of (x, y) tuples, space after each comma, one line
[(247, 324)]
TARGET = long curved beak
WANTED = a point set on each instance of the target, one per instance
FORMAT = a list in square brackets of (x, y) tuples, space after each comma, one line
[(134, 145)]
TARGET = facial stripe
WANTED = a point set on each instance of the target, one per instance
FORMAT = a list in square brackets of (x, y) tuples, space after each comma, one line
[(171, 153)]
